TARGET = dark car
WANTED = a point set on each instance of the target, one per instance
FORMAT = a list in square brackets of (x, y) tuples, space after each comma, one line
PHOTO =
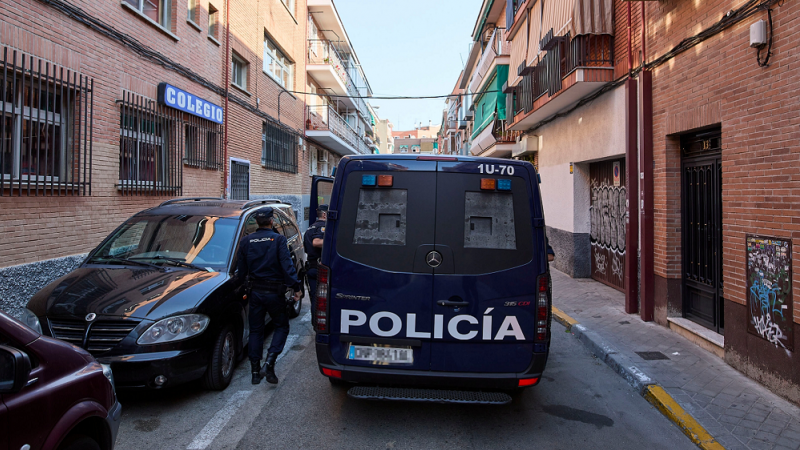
[(53, 394), (434, 273), (158, 299)]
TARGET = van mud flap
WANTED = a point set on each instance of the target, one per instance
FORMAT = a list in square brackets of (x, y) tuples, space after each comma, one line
[(428, 395)]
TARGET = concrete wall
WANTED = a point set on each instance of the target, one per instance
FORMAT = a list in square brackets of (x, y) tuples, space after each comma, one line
[(591, 133)]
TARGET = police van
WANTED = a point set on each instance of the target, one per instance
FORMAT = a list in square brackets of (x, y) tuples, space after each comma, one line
[(433, 274)]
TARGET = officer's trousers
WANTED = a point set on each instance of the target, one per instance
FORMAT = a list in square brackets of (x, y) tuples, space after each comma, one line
[(311, 275), (261, 304)]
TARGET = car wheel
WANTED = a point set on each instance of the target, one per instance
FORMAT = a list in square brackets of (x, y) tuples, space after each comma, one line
[(294, 310), (223, 360), (79, 442)]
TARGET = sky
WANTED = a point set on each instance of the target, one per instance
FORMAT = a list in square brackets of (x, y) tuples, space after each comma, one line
[(410, 47)]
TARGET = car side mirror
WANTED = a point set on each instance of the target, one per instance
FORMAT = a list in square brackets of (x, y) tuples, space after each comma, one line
[(15, 369)]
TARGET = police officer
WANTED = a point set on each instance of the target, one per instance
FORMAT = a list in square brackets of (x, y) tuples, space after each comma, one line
[(312, 243), (265, 264)]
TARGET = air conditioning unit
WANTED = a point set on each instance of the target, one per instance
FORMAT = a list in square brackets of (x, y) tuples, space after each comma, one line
[(322, 156)]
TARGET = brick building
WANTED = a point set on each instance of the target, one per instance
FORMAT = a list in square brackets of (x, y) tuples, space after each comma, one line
[(110, 108)]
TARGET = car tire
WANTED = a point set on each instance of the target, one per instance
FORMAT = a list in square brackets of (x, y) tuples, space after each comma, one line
[(223, 360), (79, 442)]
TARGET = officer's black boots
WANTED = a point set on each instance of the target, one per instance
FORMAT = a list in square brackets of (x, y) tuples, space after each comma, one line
[(255, 369), (268, 370)]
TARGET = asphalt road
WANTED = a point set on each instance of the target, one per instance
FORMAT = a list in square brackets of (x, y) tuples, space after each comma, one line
[(580, 403)]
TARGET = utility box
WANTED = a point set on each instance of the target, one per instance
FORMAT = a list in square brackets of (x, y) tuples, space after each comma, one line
[(758, 34)]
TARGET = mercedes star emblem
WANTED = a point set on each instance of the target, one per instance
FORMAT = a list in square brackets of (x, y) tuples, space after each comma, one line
[(434, 259), (90, 317)]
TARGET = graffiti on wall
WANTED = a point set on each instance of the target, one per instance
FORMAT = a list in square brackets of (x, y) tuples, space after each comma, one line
[(769, 289), (608, 213)]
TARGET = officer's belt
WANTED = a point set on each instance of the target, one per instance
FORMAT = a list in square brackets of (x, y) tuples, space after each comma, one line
[(269, 286)]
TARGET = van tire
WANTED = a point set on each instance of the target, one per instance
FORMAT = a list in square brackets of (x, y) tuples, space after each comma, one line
[(79, 442), (223, 359)]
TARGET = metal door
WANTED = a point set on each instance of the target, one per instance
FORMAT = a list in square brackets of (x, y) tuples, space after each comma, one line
[(702, 229), (240, 181), (609, 216)]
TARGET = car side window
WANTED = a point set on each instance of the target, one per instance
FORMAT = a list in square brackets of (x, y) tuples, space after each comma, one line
[(278, 224), (250, 226)]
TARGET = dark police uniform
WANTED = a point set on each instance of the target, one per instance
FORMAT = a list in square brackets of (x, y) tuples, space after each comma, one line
[(315, 231), (264, 259)]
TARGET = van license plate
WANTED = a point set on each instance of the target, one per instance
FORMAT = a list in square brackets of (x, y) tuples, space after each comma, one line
[(381, 355)]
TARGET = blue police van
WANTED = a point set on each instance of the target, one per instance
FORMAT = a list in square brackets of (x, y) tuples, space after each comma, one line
[(433, 274)]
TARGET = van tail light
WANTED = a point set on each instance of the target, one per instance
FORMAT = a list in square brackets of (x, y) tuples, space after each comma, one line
[(331, 373), (542, 306), (323, 294), (528, 382)]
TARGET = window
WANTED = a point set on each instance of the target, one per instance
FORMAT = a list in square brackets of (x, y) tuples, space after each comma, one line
[(192, 12), (202, 145), (159, 11), (240, 180), (239, 71), (415, 149), (149, 153), (403, 149), (289, 5), (45, 119), (277, 65), (278, 148), (213, 22)]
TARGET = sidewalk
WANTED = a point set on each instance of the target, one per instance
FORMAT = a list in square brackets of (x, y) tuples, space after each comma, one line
[(736, 410)]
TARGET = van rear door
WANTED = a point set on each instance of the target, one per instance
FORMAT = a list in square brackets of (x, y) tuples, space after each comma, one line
[(485, 289), (381, 287)]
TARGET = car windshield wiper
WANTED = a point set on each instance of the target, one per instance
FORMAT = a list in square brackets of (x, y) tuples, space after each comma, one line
[(177, 261), (127, 261)]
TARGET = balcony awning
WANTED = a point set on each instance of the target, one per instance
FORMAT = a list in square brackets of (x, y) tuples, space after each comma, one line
[(492, 104), (593, 17)]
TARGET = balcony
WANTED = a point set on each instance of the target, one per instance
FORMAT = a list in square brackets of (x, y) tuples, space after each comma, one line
[(329, 66), (497, 141), (571, 70), (497, 52), (326, 127)]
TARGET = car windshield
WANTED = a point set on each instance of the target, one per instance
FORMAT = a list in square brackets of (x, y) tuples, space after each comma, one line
[(202, 241)]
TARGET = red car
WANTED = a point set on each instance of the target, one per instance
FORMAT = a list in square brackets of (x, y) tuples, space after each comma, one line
[(53, 395)]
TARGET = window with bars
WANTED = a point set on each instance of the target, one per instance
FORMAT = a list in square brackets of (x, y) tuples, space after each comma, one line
[(45, 127), (159, 11), (149, 160), (240, 180), (202, 142), (278, 149)]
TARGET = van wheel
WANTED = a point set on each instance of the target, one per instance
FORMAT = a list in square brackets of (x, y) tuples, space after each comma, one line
[(294, 310), (223, 360), (79, 442)]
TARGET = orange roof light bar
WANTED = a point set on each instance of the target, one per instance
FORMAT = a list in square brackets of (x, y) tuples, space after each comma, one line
[(385, 180), (488, 183)]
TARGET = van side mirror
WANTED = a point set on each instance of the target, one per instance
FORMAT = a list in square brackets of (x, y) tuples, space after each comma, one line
[(15, 368)]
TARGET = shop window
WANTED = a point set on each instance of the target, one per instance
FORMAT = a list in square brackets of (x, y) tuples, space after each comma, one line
[(45, 119), (278, 148), (277, 65), (239, 71), (159, 11)]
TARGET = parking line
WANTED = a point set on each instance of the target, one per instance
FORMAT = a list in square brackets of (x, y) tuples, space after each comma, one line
[(307, 317), (289, 342), (218, 422)]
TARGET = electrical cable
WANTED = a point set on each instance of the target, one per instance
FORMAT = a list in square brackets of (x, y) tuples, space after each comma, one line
[(765, 63)]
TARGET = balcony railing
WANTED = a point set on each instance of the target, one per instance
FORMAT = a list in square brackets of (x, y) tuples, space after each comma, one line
[(503, 135), (497, 46), (325, 118), (565, 56), (323, 51)]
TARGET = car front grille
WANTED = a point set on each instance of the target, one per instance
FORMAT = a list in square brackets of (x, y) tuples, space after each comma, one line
[(103, 335)]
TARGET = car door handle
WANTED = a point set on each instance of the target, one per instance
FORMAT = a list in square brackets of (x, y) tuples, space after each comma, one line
[(451, 303)]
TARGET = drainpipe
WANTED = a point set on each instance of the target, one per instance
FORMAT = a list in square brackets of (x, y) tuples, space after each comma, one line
[(226, 65), (631, 179), (646, 188)]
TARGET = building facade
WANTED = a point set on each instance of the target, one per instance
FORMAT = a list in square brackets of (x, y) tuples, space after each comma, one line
[(108, 109)]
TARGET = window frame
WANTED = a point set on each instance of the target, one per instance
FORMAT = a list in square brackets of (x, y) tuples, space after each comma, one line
[(291, 6), (191, 11), (243, 71), (159, 138), (213, 25), (277, 56), (164, 11)]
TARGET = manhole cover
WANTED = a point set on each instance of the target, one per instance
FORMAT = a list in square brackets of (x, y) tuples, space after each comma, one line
[(651, 356)]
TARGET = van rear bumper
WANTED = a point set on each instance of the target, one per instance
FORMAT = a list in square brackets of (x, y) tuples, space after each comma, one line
[(421, 378)]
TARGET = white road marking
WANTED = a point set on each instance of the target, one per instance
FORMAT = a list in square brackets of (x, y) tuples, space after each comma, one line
[(289, 342), (307, 317), (218, 422)]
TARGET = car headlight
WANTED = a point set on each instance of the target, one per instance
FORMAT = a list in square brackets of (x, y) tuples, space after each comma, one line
[(110, 375), (30, 319), (174, 329)]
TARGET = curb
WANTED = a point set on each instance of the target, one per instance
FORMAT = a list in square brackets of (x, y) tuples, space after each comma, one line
[(646, 387)]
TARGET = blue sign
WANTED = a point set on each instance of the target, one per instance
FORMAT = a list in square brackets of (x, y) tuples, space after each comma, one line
[(181, 100)]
